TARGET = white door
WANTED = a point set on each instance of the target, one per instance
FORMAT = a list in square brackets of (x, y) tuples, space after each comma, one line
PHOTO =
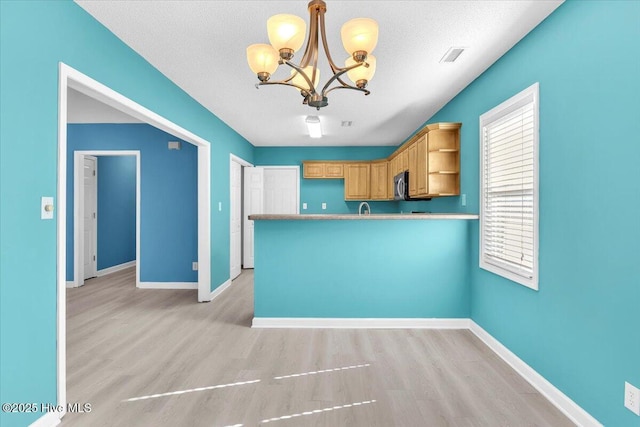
[(281, 190), (253, 204), (236, 219), (90, 193), (269, 190)]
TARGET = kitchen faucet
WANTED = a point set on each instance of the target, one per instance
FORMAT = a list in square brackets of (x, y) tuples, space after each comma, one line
[(367, 210)]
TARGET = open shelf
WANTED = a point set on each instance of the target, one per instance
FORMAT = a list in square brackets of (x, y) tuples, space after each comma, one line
[(445, 150)]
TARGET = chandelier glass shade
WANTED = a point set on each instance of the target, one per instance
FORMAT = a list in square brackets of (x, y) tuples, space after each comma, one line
[(287, 34)]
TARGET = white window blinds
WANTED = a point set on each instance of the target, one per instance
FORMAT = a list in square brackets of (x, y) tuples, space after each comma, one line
[(509, 189)]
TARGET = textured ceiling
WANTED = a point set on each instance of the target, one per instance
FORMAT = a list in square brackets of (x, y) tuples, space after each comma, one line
[(200, 45)]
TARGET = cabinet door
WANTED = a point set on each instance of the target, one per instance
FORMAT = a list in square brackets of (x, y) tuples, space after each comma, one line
[(390, 176), (413, 169), (356, 181), (334, 170), (379, 181), (312, 170), (404, 161), (422, 171)]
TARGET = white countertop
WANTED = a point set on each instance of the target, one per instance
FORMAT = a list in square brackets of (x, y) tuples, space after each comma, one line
[(385, 216)]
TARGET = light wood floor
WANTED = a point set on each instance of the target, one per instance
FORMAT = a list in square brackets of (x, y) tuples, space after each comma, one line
[(124, 343)]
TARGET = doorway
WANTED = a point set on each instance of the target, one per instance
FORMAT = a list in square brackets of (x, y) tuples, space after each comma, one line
[(236, 203), (85, 209), (71, 78)]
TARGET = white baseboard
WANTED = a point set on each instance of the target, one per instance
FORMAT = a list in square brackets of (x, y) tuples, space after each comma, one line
[(168, 285), (72, 284), (358, 323), (560, 400), (115, 268), (49, 419), (220, 289)]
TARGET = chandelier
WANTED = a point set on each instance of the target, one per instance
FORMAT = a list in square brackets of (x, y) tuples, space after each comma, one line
[(287, 33)]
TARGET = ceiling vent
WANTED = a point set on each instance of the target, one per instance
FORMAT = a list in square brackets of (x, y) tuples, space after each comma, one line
[(452, 54), (347, 123)]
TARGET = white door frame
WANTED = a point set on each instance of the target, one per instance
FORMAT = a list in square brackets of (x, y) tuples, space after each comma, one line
[(71, 78), (94, 238), (242, 162), (78, 209)]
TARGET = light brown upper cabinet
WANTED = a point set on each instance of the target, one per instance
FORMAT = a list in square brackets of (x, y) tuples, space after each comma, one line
[(413, 168), (420, 178), (434, 161), (322, 169), (431, 155), (391, 173), (404, 161), (443, 166), (379, 180), (357, 181)]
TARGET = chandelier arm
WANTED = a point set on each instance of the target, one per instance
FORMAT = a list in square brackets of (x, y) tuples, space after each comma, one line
[(280, 82), (337, 75), (299, 70), (315, 64), (366, 92), (325, 45), (311, 40), (342, 82)]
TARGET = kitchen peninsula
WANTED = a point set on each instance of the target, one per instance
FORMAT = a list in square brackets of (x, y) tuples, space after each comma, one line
[(314, 269)]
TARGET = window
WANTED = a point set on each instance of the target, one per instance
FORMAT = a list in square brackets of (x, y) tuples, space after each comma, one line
[(509, 188)]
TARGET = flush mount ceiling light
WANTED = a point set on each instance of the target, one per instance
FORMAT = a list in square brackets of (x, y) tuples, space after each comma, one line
[(287, 33), (313, 124)]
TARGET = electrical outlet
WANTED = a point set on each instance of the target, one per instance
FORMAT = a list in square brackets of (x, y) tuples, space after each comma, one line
[(304, 206), (324, 206), (632, 398), (194, 266)]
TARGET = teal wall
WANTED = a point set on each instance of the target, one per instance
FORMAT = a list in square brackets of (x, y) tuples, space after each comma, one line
[(331, 191), (362, 269), (34, 37), (116, 212), (581, 331)]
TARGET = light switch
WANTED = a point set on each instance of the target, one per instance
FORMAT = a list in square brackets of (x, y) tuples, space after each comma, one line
[(463, 200), (324, 206), (46, 208), (219, 206), (304, 206)]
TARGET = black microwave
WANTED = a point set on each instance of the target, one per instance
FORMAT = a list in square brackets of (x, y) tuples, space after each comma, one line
[(401, 186)]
